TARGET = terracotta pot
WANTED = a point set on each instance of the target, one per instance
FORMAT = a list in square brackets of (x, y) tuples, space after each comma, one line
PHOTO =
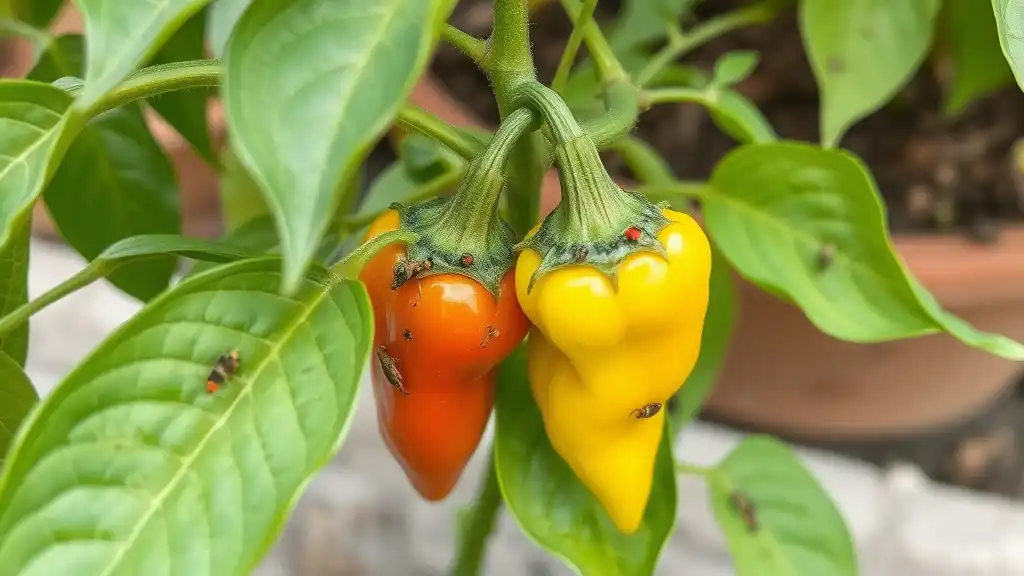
[(783, 375), (198, 182)]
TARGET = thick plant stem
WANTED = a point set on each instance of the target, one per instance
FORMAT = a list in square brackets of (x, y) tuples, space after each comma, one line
[(509, 65), (476, 527), (156, 80)]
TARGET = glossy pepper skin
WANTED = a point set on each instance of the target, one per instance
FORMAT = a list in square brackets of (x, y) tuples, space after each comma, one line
[(435, 328), (599, 354)]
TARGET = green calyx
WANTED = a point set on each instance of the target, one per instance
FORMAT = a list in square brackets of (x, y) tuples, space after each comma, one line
[(597, 223), (463, 234)]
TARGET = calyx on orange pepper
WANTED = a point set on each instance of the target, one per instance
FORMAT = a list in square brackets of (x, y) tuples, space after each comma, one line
[(446, 315)]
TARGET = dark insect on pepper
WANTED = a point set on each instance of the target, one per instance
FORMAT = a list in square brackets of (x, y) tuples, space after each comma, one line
[(406, 270), (632, 233), (745, 508), (466, 260), (491, 332), (648, 410), (388, 366), (407, 334), (225, 367)]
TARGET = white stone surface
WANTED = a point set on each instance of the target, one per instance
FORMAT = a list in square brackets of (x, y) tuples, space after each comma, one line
[(359, 517)]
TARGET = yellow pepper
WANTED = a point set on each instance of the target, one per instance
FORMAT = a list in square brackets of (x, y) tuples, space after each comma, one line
[(605, 358)]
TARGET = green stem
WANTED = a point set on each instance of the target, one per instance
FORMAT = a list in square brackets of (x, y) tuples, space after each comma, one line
[(350, 266), (472, 212), (622, 103), (418, 120), (680, 94), (509, 65), (474, 48), (156, 80), (549, 105), (573, 46), (680, 45), (83, 278), (608, 66), (695, 470), (644, 161), (478, 525)]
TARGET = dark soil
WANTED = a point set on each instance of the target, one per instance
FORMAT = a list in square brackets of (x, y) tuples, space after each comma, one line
[(935, 173)]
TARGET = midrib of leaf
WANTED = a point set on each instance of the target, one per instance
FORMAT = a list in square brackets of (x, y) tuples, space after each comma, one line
[(20, 160), (187, 461), (345, 102), (810, 240)]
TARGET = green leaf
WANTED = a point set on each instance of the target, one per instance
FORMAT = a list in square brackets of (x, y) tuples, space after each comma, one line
[(714, 343), (17, 397), (777, 519), (124, 35), (38, 13), (808, 223), (550, 504), (1010, 25), (730, 111), (978, 66), (221, 20), (646, 21), (32, 121), (131, 467), (309, 86), (240, 197), (862, 52), (14, 287), (185, 110), (733, 67), (195, 248), (114, 183)]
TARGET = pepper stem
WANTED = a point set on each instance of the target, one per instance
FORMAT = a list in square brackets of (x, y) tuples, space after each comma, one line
[(463, 234)]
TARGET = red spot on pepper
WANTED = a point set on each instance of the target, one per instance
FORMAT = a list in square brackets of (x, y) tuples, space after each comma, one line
[(633, 233), (466, 260)]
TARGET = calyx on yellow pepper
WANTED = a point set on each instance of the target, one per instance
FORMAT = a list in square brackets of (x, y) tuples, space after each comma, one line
[(617, 289)]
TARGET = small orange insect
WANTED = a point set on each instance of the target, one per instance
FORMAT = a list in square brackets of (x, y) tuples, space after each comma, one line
[(225, 367)]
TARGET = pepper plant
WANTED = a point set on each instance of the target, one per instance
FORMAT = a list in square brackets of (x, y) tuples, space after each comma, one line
[(182, 442)]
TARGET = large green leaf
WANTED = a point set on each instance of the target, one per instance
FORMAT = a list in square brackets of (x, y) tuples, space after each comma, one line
[(730, 111), (862, 53), (131, 467), (14, 286), (551, 505), (17, 397), (114, 181), (309, 86), (222, 17), (808, 223), (978, 65), (124, 35), (1010, 25), (777, 519), (714, 343), (32, 122), (185, 110)]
